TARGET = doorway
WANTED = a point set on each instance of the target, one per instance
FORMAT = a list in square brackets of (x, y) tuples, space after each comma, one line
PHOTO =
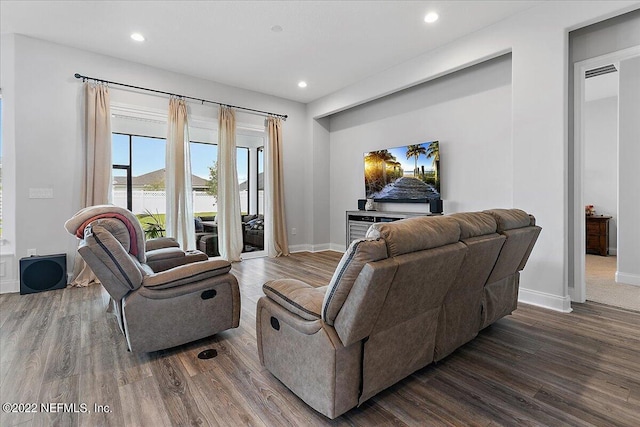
[(598, 183)]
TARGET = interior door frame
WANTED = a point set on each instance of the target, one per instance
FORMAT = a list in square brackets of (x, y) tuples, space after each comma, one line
[(578, 291)]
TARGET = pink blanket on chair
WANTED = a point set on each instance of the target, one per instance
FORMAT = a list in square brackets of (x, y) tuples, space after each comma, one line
[(132, 231)]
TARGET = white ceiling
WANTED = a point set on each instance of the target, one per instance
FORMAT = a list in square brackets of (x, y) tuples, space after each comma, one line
[(329, 44)]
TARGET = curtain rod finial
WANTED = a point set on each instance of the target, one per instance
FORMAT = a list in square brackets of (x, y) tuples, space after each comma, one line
[(77, 76)]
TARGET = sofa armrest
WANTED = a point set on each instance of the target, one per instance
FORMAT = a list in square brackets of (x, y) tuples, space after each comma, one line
[(296, 296), (161, 242), (185, 274)]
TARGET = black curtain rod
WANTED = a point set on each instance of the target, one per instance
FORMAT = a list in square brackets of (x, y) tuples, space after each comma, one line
[(85, 78)]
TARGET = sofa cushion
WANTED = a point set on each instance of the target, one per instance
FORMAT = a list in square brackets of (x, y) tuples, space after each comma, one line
[(164, 253), (473, 224), (255, 224), (359, 253), (416, 234), (161, 242), (508, 219), (296, 296)]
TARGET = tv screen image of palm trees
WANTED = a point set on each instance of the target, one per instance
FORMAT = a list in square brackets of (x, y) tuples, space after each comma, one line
[(408, 173)]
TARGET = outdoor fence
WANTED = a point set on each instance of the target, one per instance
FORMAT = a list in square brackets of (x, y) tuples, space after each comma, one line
[(155, 201)]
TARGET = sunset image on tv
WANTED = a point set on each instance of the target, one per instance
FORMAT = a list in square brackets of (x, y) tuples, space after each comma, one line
[(403, 174)]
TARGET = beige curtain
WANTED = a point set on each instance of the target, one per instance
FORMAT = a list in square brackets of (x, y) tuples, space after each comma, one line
[(275, 224), (229, 219), (179, 220), (96, 182)]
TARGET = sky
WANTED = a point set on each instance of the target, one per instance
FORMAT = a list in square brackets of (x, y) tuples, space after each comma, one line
[(149, 155)]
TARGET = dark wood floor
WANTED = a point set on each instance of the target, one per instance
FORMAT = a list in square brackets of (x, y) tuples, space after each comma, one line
[(536, 367)]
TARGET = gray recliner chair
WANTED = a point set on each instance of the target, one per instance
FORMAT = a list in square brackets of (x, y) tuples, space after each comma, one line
[(157, 310)]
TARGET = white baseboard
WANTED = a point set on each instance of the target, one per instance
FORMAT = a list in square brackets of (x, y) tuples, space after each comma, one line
[(627, 278), (9, 286), (315, 248), (613, 251), (545, 300), (300, 248)]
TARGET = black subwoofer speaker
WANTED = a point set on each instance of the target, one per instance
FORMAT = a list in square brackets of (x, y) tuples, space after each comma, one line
[(43, 273)]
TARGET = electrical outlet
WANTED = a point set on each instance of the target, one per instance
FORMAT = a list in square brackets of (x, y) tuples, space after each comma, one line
[(294, 231), (32, 252)]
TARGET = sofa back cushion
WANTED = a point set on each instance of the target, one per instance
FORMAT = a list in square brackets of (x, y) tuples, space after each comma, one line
[(521, 233), (508, 219), (473, 224), (359, 253), (416, 234)]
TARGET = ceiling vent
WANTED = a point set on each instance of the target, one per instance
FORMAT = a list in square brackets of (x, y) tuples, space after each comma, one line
[(600, 71)]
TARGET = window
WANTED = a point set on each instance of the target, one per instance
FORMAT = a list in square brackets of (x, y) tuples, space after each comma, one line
[(260, 192), (242, 160), (204, 178), (139, 175)]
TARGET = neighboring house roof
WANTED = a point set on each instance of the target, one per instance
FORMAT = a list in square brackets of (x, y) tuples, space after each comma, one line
[(155, 177), (243, 185)]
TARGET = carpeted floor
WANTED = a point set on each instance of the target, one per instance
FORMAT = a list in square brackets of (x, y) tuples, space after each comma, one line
[(602, 287)]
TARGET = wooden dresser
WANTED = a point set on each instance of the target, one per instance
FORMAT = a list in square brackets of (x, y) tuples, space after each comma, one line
[(598, 234)]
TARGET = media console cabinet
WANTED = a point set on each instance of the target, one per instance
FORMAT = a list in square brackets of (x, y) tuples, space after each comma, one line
[(358, 222)]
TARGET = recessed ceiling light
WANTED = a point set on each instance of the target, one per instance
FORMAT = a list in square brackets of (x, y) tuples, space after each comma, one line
[(137, 37), (431, 17), (276, 29), (302, 84)]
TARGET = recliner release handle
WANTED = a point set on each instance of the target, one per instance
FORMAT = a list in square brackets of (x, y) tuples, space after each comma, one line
[(275, 324), (208, 294)]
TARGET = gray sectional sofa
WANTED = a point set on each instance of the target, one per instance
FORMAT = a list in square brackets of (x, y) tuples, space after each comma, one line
[(408, 295)]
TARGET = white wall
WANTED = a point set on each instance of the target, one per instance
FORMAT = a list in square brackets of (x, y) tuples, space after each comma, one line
[(601, 161), (538, 41), (45, 101), (8, 265), (466, 111), (629, 181)]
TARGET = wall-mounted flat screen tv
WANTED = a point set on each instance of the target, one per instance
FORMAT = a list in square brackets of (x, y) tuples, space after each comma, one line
[(409, 174)]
